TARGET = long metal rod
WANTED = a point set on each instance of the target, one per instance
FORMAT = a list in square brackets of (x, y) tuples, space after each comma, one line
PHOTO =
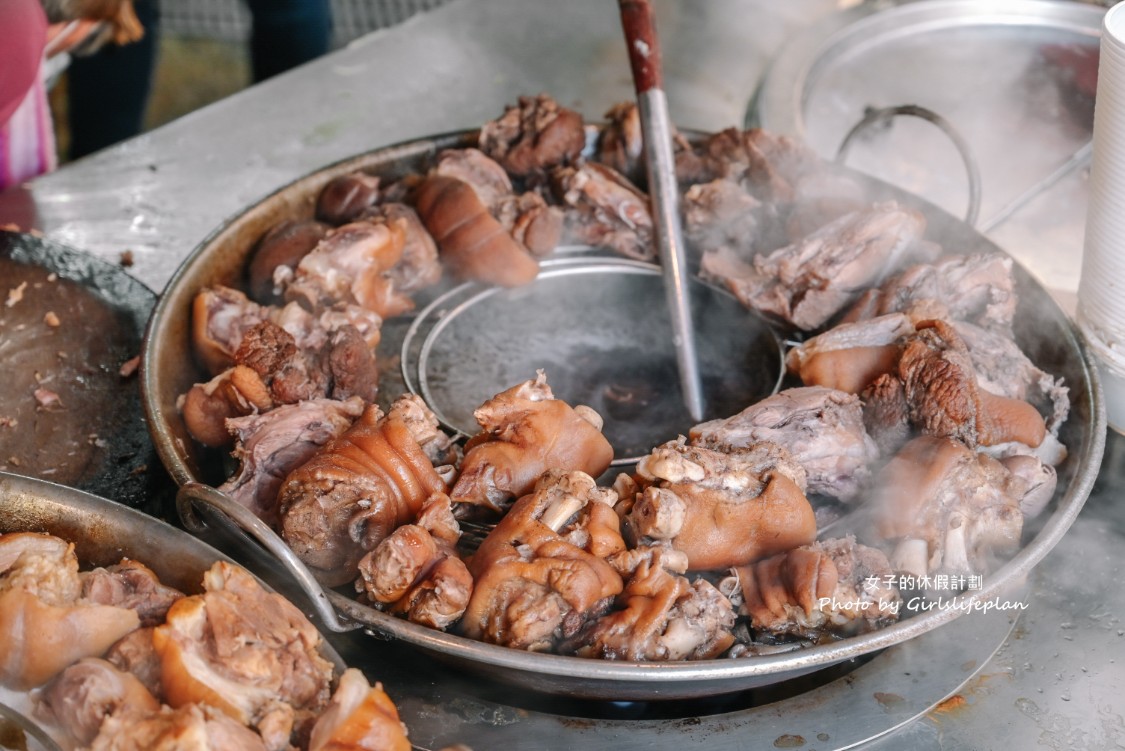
[(1079, 159), (656, 128)]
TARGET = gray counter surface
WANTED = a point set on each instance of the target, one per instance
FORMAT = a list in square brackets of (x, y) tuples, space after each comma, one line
[(1056, 683)]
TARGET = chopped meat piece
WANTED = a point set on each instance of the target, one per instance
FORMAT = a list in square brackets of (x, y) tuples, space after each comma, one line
[(941, 388), (473, 244), (850, 356), (1003, 369), (290, 374), (194, 726), (45, 624), (835, 587), (822, 429), (1032, 481), (130, 584), (768, 165), (416, 569), (886, 413), (721, 509), (354, 492), (271, 445), (484, 175), (948, 508), (247, 652), (721, 215), (620, 143), (604, 209), (660, 616), (533, 586), (220, 318), (425, 427), (534, 136), (525, 432), (360, 717), (345, 197), (419, 266), (978, 288), (284, 245), (135, 654), (233, 393), (351, 366), (81, 697), (348, 266), (808, 282)]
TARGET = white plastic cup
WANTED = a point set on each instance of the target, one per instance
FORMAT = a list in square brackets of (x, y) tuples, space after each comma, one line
[(1101, 290)]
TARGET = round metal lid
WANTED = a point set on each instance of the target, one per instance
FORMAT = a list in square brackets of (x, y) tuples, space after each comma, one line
[(1015, 78)]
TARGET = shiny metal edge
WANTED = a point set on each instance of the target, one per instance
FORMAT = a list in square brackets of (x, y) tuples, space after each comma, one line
[(558, 673), (778, 103)]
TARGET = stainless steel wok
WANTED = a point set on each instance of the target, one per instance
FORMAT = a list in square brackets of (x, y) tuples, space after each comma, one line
[(168, 370)]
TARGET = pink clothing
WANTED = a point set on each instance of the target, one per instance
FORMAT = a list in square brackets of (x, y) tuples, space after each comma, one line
[(27, 137)]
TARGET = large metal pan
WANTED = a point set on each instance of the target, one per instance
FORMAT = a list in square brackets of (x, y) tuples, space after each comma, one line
[(168, 371)]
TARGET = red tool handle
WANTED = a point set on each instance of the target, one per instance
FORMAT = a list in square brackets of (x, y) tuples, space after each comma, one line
[(644, 50)]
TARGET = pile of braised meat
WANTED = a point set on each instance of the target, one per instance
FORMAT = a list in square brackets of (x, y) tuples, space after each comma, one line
[(110, 659), (911, 405)]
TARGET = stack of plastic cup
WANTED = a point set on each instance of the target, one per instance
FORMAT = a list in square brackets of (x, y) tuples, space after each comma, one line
[(1101, 290)]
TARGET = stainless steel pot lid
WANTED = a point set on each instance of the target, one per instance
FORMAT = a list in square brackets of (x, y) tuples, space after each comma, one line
[(1014, 77), (599, 329)]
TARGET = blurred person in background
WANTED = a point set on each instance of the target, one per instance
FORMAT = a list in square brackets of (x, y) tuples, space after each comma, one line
[(27, 142), (31, 32), (108, 92)]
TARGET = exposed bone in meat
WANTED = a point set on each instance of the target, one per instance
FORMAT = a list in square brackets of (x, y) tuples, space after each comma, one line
[(535, 587), (534, 136), (835, 586), (354, 492), (620, 144), (605, 210), (808, 282), (976, 288), (45, 624), (416, 569), (473, 244), (135, 654), (81, 697), (284, 245), (249, 653), (660, 616), (130, 584), (1032, 481), (360, 717), (194, 726), (345, 197), (271, 445), (822, 429), (348, 266), (525, 432), (721, 509), (948, 508), (426, 429)]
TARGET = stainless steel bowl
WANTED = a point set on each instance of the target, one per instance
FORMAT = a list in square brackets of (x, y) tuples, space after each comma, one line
[(1043, 330)]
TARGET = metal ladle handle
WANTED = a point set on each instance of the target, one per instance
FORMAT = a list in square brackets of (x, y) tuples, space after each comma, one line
[(873, 115), (656, 128), (196, 493)]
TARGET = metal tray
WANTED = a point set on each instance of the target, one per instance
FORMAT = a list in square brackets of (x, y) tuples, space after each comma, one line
[(98, 401), (221, 258), (988, 70)]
